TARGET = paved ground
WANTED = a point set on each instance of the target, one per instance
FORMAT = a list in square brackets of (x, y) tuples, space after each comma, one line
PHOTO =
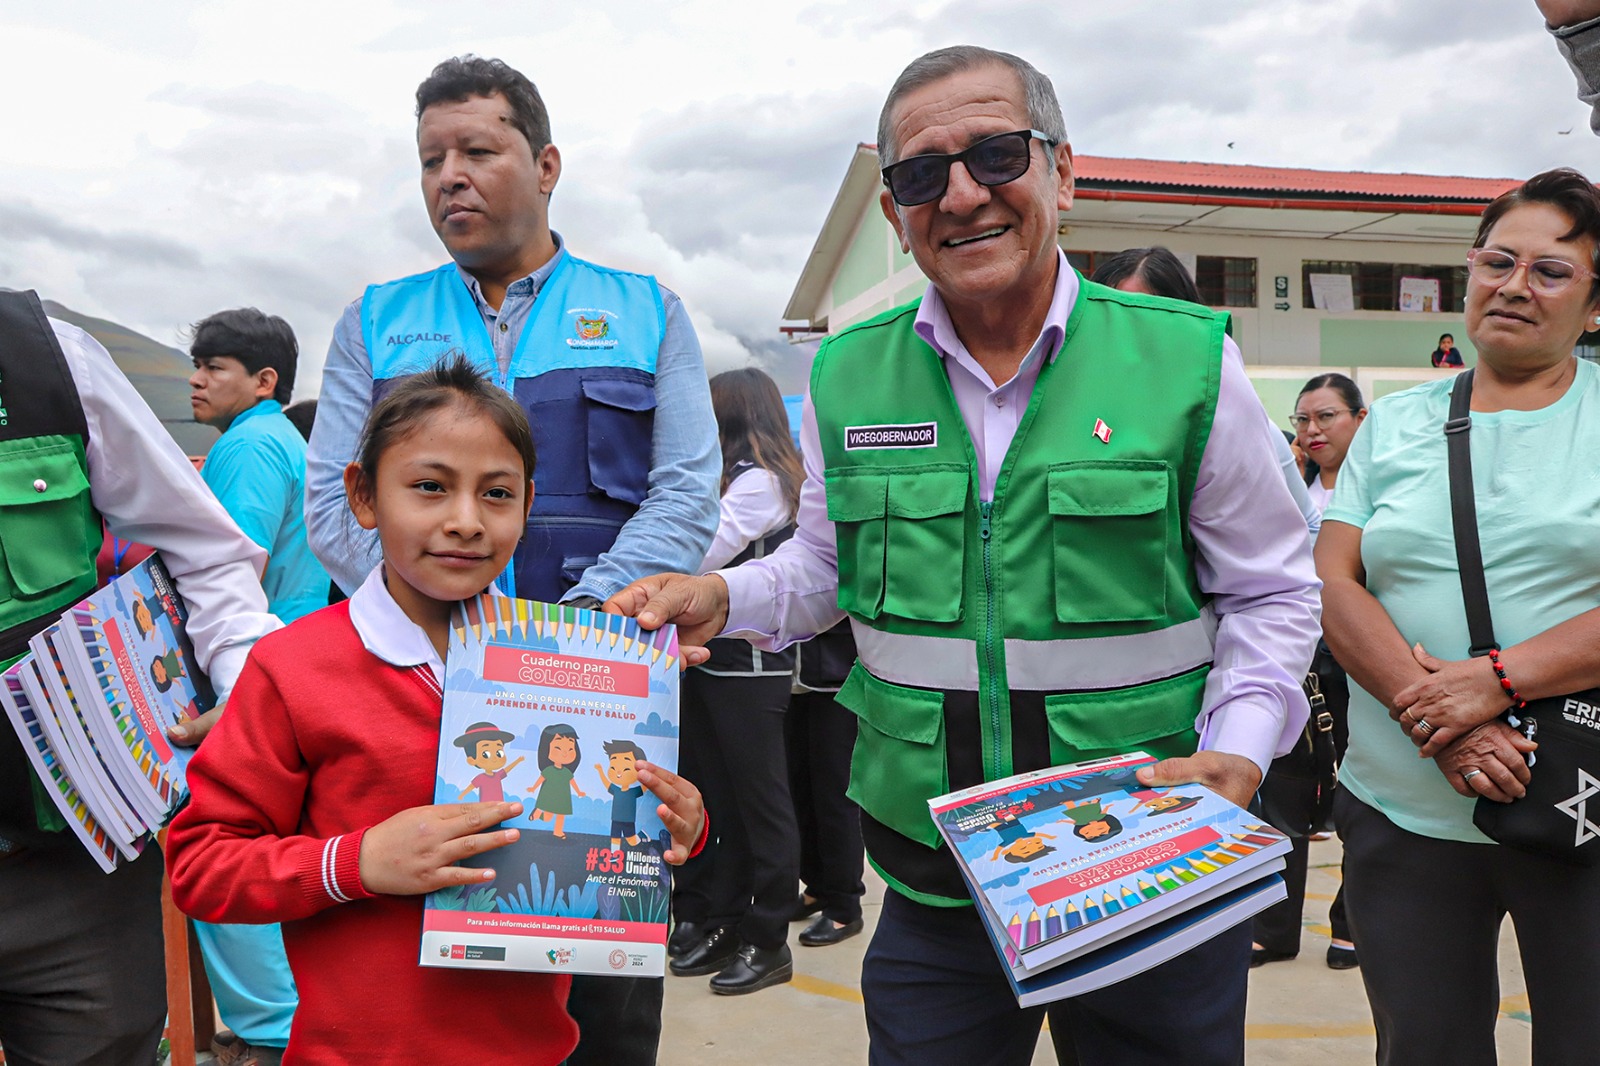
[(1300, 1013)]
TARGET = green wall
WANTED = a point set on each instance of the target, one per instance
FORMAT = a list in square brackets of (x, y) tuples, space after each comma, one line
[(1278, 395), (864, 264), (1389, 342)]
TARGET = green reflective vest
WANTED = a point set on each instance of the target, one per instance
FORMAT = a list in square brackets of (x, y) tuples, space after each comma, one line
[(49, 529), (1061, 621)]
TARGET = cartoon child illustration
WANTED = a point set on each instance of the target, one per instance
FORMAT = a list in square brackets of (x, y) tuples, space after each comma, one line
[(1092, 820), (1017, 844), (622, 781), (164, 669), (1160, 801), (558, 758), (485, 745)]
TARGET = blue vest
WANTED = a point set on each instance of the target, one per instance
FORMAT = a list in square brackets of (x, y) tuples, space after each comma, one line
[(584, 372)]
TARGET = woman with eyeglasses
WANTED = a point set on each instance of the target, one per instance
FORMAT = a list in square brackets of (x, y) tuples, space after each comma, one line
[(1427, 892), (1325, 418)]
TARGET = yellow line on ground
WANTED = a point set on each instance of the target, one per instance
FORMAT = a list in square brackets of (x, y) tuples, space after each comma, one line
[(816, 986)]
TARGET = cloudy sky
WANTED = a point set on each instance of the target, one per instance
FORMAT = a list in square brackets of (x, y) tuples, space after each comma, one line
[(162, 161)]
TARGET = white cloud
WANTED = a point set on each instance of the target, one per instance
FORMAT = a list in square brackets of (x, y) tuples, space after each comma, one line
[(164, 161)]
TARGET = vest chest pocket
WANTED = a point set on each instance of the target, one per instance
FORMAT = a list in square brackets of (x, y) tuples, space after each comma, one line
[(1109, 529), (1158, 717), (902, 540), (898, 764), (44, 532), (621, 418)]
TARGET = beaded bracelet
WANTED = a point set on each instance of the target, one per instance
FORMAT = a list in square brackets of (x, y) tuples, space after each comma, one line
[(1517, 701)]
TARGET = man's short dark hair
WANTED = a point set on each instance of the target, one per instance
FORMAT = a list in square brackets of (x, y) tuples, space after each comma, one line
[(255, 339), (461, 77)]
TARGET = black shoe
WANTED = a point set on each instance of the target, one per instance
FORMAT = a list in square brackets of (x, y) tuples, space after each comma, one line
[(803, 910), (685, 935), (715, 950), (1342, 958), (1262, 956), (754, 969), (822, 932)]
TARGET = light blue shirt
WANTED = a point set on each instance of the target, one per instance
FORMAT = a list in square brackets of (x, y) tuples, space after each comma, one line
[(672, 528), (1538, 500), (258, 471)]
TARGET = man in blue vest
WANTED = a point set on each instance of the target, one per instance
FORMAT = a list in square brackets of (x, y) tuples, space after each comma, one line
[(605, 363), (244, 371), (1054, 516)]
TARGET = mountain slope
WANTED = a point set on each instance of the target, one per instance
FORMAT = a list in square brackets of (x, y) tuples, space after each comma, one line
[(159, 372)]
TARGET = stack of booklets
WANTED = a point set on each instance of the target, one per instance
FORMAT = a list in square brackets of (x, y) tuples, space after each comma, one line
[(556, 707), (92, 702), (1085, 877)]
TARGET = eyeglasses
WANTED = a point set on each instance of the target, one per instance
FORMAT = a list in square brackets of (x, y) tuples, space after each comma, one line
[(1547, 277), (1319, 418), (992, 161)]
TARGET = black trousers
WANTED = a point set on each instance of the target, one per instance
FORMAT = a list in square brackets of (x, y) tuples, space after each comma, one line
[(732, 749), (619, 1020), (935, 996), (1278, 927), (821, 735), (83, 979), (1426, 914)]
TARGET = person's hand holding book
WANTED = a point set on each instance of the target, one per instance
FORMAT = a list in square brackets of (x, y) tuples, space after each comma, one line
[(415, 851), (681, 809)]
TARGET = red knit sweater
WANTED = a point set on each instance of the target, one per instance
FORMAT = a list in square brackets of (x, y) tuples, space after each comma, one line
[(321, 740)]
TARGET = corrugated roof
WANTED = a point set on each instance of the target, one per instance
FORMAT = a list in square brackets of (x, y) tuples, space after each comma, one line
[(1163, 173)]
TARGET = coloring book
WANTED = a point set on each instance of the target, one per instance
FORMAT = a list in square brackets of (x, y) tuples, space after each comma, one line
[(1064, 862), (554, 706)]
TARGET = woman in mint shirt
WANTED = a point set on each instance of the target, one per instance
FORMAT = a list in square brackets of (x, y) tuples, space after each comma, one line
[(1426, 892)]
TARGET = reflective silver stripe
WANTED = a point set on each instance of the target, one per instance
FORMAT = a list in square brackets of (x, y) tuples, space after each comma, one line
[(1111, 662), (922, 662), (1041, 665)]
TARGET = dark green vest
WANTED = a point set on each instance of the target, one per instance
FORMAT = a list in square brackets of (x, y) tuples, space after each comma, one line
[(1063, 620), (49, 529)]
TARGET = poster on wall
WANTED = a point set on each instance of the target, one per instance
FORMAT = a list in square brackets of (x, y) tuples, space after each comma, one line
[(1332, 292), (1419, 294)]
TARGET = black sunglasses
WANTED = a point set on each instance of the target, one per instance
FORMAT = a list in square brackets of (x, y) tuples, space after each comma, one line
[(992, 161)]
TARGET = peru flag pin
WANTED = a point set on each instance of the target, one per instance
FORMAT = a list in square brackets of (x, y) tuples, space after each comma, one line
[(1102, 431)]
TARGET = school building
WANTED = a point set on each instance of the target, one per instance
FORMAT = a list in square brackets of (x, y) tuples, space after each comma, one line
[(1321, 270)]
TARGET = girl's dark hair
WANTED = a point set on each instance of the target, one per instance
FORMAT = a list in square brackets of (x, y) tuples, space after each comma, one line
[(1442, 337), (1162, 272), (754, 427), (1562, 188), (1348, 391), (452, 380), (559, 729)]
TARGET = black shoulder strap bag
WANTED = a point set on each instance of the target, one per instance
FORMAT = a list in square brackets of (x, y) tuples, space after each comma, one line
[(1555, 818)]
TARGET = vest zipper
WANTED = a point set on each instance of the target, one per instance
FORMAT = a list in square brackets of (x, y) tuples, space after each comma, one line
[(986, 679)]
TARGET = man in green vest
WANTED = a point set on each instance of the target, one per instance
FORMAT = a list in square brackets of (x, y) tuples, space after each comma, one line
[(1054, 517), (82, 971)]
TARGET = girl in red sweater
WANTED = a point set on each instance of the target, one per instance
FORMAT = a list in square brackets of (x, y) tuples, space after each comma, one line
[(310, 800)]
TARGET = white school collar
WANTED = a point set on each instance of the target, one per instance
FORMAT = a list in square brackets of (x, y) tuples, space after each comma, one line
[(385, 630)]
